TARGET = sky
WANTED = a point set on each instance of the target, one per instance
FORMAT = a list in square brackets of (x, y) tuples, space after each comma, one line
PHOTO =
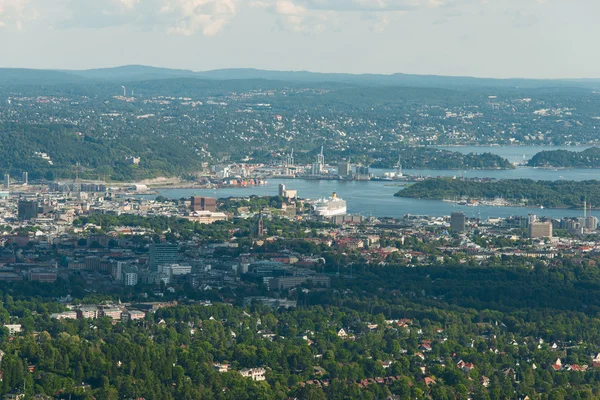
[(484, 38)]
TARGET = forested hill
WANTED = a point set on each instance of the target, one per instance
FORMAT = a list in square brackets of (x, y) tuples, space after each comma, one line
[(589, 158), (550, 194), (51, 151)]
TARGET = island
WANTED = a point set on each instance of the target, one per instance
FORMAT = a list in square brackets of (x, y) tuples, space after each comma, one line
[(589, 158), (523, 192), (434, 158)]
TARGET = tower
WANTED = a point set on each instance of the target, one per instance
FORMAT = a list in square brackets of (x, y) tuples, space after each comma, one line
[(25, 178), (458, 222), (6, 181), (260, 227)]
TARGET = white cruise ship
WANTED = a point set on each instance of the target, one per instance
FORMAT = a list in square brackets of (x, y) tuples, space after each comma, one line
[(330, 207)]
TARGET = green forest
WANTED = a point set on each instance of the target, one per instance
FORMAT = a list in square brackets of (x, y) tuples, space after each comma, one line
[(550, 194), (589, 158)]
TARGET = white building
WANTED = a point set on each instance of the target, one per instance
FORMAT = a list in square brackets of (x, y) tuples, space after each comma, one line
[(257, 374)]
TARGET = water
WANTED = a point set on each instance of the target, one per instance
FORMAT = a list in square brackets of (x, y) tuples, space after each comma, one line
[(371, 198)]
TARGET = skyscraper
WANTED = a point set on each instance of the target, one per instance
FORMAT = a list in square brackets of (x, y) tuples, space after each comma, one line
[(458, 222), (163, 253), (27, 209), (7, 181), (344, 169), (25, 178)]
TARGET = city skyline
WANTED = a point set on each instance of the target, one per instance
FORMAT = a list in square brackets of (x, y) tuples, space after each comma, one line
[(529, 38)]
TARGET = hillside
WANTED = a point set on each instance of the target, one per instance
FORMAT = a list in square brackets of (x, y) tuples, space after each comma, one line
[(550, 194), (132, 73), (589, 158)]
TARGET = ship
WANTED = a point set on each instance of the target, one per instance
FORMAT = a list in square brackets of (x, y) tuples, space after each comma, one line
[(330, 207)]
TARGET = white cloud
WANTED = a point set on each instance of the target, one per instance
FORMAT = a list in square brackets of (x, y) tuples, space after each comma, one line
[(14, 12), (191, 16), (178, 17)]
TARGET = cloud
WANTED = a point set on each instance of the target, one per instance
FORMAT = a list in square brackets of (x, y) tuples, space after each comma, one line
[(177, 17), (297, 18), (14, 13)]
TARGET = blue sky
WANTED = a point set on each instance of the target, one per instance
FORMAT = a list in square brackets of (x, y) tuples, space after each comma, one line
[(488, 38)]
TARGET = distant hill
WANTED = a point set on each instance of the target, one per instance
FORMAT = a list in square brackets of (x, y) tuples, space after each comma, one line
[(23, 76), (131, 73)]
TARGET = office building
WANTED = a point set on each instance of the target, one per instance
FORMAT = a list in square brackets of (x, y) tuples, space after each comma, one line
[(204, 204), (163, 253), (6, 181), (286, 193), (27, 209), (344, 169), (591, 223), (458, 222), (25, 178), (130, 277), (540, 230)]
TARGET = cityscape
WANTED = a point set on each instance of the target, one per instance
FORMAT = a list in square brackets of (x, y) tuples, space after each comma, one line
[(299, 200)]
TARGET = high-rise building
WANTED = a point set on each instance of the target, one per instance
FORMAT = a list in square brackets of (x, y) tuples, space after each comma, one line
[(163, 253), (260, 227), (591, 223), (531, 218), (204, 204), (6, 181), (344, 169), (25, 178), (27, 209), (458, 222), (540, 230)]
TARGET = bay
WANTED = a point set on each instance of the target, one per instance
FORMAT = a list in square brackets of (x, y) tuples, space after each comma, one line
[(376, 198)]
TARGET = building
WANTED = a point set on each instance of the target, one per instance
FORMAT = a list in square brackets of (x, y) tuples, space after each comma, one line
[(591, 223), (6, 181), (344, 169), (163, 253), (64, 315), (25, 178), (27, 209), (287, 194), (287, 282), (540, 230), (87, 312), (204, 204), (207, 217), (42, 275), (458, 222), (131, 160), (13, 328), (175, 269), (130, 276), (257, 374), (110, 312)]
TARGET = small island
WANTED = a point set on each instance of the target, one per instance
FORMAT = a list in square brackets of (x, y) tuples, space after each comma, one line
[(589, 158), (433, 158), (525, 192)]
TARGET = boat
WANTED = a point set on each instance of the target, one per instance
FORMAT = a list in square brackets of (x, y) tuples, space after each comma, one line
[(330, 207)]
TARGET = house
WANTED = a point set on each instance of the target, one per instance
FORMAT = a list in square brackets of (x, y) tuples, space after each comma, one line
[(429, 381), (257, 374), (386, 364), (557, 366), (13, 328), (596, 361), (221, 367), (342, 333), (485, 381)]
